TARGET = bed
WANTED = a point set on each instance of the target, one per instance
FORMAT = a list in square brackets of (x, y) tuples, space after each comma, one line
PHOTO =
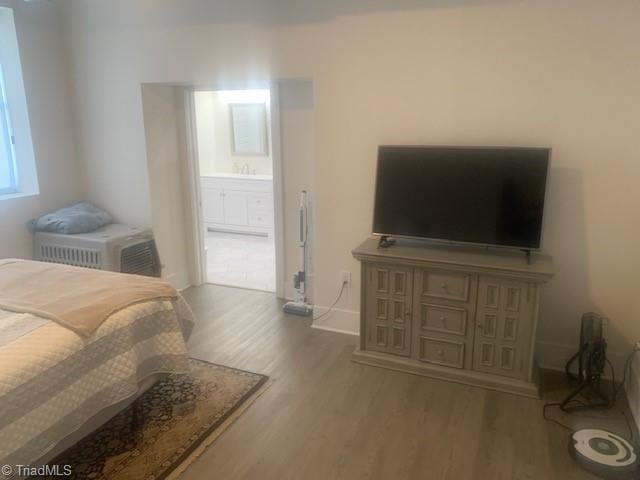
[(57, 385)]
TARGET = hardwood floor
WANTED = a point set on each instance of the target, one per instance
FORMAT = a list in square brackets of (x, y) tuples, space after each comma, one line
[(325, 417)]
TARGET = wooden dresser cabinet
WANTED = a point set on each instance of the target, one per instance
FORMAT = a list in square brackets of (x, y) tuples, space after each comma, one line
[(464, 315)]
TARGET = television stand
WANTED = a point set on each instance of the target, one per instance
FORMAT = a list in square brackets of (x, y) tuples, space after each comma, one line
[(386, 242), (457, 314)]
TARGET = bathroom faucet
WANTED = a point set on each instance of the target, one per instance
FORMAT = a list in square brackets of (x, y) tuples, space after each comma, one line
[(245, 169)]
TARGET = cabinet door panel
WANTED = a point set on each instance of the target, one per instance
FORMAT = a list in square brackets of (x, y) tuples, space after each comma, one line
[(235, 207), (388, 309), (212, 205), (504, 321)]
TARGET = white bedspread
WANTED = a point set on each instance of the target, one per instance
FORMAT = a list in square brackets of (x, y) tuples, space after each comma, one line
[(52, 381)]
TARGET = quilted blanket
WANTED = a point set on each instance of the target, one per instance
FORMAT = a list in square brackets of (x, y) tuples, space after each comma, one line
[(77, 298), (52, 381)]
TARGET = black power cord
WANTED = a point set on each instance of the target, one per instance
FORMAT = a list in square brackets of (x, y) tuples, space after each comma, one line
[(615, 393), (344, 284), (553, 420)]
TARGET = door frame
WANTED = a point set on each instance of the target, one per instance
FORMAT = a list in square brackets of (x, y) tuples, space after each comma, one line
[(194, 195)]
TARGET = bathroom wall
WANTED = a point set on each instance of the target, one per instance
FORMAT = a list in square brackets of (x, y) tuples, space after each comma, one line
[(213, 120)]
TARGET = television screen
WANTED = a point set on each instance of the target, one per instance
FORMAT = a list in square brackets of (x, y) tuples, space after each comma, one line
[(484, 195)]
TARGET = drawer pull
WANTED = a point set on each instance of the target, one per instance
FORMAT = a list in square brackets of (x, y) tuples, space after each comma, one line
[(407, 313), (443, 286), (440, 354), (443, 319)]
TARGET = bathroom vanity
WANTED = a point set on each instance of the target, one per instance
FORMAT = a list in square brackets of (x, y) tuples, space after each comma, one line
[(238, 203)]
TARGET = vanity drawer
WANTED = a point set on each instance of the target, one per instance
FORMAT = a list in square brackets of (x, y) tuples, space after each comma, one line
[(447, 285), (241, 183), (259, 186), (259, 202), (441, 352), (443, 318), (260, 219)]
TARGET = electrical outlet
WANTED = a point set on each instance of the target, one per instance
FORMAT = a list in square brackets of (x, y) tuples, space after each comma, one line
[(345, 278)]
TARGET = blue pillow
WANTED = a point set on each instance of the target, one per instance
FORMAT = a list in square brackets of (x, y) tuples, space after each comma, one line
[(79, 218)]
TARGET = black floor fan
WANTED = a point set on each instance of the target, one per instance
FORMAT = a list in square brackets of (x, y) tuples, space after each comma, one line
[(591, 359)]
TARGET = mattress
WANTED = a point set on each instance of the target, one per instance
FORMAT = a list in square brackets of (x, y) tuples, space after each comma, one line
[(54, 383)]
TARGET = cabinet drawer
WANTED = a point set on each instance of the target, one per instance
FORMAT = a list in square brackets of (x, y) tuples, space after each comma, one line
[(237, 184), (265, 186), (260, 202), (442, 318), (448, 285), (441, 352), (260, 219)]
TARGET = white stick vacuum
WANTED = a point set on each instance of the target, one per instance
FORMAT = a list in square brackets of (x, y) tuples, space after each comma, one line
[(300, 306)]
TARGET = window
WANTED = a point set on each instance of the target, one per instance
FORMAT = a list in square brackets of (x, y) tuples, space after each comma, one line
[(8, 180), (18, 176)]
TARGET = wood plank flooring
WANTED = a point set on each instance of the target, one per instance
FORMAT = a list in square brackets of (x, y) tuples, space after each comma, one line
[(326, 417)]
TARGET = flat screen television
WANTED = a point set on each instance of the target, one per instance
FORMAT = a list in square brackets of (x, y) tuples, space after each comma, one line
[(490, 196)]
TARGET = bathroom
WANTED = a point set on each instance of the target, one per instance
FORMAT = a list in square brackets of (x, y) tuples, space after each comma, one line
[(235, 160)]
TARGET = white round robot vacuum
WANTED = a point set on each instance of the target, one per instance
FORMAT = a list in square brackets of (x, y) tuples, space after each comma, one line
[(604, 453)]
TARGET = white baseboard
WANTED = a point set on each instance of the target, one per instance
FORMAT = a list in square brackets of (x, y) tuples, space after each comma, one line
[(338, 320), (549, 355), (554, 356)]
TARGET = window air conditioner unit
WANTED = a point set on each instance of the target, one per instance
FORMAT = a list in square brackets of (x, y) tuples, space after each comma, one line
[(115, 247)]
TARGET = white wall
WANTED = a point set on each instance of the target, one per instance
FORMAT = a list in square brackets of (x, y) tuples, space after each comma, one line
[(213, 125), (164, 121), (205, 116), (45, 74), (491, 72), (296, 108), (166, 153)]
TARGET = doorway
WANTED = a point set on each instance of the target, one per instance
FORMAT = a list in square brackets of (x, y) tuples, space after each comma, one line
[(234, 155)]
